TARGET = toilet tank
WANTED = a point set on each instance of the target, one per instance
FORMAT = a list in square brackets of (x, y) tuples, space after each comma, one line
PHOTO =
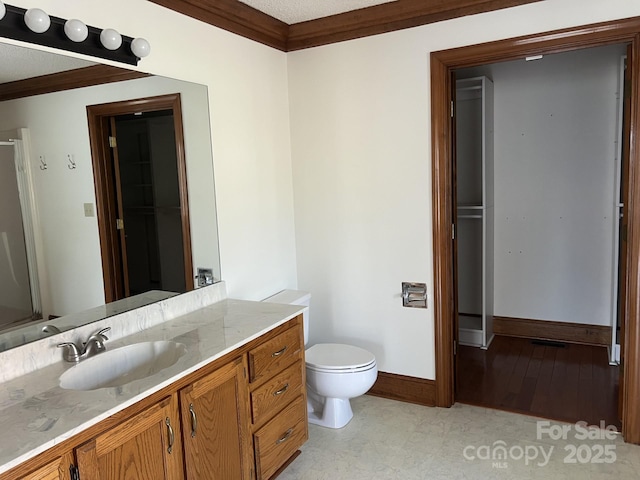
[(294, 297)]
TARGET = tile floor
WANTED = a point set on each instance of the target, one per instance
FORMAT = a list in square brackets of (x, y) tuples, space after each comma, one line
[(394, 440)]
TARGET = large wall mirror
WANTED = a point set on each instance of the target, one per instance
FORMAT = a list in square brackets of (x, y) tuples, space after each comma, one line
[(50, 245)]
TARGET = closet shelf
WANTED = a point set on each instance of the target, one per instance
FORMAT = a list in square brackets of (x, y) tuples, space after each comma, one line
[(475, 215), (151, 210)]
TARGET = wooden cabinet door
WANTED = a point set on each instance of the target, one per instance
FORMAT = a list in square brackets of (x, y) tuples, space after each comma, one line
[(215, 419), (148, 446), (56, 470)]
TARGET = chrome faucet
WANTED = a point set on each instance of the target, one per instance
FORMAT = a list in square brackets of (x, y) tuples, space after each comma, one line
[(51, 329), (93, 346)]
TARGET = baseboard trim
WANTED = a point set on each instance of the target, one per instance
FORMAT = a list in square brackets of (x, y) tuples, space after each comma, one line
[(552, 330), (405, 389)]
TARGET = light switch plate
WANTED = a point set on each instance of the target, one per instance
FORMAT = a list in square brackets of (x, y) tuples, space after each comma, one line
[(89, 210)]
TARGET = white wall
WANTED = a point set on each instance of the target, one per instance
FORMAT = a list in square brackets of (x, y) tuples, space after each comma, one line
[(247, 86), (362, 173), (555, 138)]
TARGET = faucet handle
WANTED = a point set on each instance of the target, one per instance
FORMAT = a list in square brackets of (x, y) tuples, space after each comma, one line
[(100, 334), (103, 331), (95, 343), (71, 352)]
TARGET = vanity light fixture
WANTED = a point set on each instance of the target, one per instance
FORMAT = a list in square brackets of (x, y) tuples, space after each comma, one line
[(75, 30), (37, 20), (140, 47), (35, 26), (110, 39)]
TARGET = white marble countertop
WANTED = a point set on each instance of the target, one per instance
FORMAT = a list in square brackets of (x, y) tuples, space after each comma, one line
[(36, 414)]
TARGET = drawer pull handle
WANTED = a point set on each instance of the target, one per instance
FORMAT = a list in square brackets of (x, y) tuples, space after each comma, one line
[(194, 420), (279, 352), (171, 435), (281, 391), (285, 437)]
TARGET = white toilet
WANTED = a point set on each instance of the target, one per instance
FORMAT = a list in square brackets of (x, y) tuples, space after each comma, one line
[(335, 372)]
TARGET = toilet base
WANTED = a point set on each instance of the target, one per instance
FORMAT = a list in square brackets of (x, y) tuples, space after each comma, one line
[(332, 413)]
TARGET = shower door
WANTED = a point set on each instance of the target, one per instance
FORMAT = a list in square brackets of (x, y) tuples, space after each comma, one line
[(15, 290)]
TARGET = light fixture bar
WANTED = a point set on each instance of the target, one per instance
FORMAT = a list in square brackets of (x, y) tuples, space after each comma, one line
[(13, 26)]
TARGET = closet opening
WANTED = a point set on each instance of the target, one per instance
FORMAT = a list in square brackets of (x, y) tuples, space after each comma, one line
[(538, 218), (550, 234), (141, 190)]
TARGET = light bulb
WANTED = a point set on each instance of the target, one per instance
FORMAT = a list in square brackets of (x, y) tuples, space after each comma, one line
[(110, 39), (3, 10), (37, 20), (75, 30), (140, 47)]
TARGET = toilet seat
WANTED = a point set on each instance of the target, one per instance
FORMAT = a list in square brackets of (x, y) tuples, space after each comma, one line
[(339, 358)]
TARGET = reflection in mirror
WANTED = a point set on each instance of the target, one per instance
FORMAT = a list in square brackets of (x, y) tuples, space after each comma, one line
[(14, 336), (50, 251)]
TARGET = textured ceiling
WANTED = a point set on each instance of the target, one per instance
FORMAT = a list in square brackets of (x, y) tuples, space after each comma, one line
[(19, 63), (296, 11)]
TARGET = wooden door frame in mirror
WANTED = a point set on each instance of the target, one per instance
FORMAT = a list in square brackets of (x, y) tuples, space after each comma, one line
[(98, 118), (442, 63)]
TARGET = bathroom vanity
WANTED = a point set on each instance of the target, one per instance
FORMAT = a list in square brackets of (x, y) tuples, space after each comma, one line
[(232, 406)]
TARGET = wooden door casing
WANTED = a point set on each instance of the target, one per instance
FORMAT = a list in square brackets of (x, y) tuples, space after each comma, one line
[(442, 63), (99, 118)]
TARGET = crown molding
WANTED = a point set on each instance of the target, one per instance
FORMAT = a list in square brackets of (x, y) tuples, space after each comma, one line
[(387, 17), (235, 17), (56, 82), (239, 18)]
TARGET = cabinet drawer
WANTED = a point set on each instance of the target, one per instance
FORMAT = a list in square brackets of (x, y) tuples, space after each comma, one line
[(276, 392), (280, 438), (272, 356)]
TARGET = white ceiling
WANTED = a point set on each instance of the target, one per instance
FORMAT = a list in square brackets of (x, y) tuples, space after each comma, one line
[(295, 11), (19, 63)]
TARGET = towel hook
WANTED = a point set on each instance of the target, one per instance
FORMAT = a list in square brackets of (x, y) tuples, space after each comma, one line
[(43, 165), (72, 163)]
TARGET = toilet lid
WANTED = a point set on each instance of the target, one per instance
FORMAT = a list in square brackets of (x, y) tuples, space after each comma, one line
[(335, 356)]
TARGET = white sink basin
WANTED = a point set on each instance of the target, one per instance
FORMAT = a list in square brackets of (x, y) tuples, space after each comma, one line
[(122, 365)]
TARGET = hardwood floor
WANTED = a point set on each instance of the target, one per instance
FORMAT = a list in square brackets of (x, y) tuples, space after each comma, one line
[(567, 382)]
